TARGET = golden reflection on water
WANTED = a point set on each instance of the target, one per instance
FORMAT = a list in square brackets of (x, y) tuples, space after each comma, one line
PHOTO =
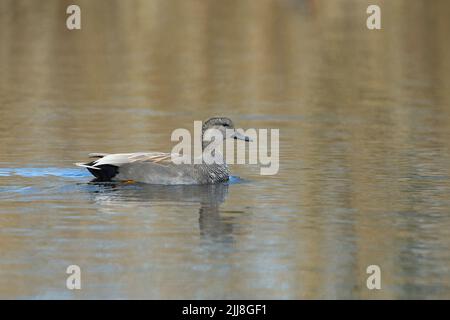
[(364, 157)]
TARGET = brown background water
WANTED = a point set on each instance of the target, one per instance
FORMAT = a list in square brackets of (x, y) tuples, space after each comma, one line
[(364, 119)]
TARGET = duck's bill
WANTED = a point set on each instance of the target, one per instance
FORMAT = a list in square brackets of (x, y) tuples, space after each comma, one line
[(239, 136)]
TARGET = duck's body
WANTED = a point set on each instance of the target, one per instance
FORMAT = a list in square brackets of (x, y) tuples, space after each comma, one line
[(154, 168), (157, 167)]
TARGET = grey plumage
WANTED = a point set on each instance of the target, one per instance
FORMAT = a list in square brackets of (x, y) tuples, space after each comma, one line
[(157, 167)]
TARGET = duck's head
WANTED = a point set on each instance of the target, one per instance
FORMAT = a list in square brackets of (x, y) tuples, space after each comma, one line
[(225, 126)]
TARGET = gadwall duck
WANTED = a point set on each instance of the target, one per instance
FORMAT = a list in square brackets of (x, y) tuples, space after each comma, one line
[(158, 168)]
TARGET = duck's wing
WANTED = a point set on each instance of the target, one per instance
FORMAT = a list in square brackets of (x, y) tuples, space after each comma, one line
[(154, 157), (119, 159), (107, 165)]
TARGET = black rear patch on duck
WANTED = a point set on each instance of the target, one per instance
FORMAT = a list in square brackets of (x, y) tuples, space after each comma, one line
[(106, 172)]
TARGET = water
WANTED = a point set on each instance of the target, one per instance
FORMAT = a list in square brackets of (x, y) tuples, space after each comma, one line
[(364, 149)]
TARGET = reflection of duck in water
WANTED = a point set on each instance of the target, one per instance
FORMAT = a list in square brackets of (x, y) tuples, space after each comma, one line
[(212, 226), (158, 168)]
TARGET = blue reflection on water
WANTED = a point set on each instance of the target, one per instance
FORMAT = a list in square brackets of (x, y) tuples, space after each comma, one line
[(41, 172)]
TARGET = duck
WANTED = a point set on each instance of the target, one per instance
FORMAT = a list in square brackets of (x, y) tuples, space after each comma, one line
[(158, 167)]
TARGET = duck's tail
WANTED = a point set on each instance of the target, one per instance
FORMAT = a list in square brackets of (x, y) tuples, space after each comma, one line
[(104, 172)]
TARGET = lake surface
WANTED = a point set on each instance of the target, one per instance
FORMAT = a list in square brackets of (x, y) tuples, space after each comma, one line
[(364, 119)]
